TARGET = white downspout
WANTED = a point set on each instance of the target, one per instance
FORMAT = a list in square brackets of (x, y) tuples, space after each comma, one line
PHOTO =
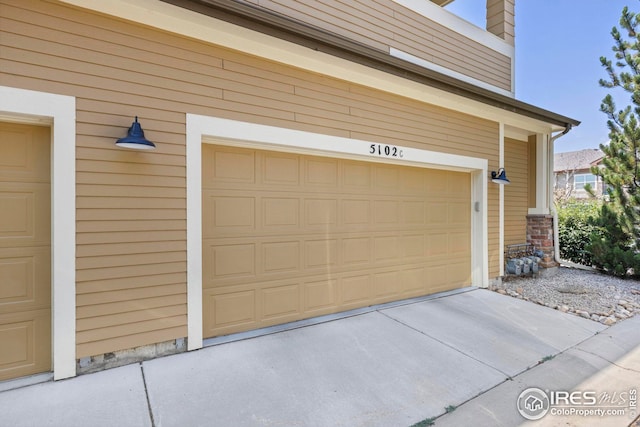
[(552, 207)]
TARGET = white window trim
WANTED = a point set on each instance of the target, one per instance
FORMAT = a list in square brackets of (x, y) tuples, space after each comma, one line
[(595, 183), (203, 129), (59, 111)]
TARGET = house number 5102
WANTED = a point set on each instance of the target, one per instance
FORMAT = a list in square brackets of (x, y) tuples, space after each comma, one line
[(385, 150)]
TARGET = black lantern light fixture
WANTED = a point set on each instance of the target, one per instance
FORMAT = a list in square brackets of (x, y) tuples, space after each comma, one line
[(500, 177), (135, 138)]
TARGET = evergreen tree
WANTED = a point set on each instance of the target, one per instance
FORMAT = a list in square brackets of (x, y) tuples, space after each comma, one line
[(615, 250)]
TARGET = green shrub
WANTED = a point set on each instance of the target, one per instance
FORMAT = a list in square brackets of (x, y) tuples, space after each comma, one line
[(577, 222), (612, 249)]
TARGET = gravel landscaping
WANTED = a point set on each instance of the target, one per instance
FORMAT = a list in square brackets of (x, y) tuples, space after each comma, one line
[(589, 294)]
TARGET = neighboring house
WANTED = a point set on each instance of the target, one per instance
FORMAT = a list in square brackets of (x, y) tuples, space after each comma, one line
[(572, 171), (311, 157)]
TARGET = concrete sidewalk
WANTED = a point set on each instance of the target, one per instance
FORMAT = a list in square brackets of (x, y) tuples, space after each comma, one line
[(475, 351)]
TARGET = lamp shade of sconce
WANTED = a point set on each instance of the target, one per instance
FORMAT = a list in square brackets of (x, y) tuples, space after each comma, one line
[(135, 138), (500, 177)]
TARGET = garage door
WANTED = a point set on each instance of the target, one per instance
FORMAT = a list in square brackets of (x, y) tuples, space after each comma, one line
[(288, 236), (25, 251)]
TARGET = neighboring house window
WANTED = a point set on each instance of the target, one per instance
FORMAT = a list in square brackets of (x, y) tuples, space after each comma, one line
[(579, 181)]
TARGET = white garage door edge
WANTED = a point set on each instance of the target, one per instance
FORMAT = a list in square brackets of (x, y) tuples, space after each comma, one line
[(203, 129)]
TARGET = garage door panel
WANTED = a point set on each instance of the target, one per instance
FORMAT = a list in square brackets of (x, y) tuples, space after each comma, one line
[(413, 246), (387, 284), (437, 245), (320, 295), (321, 212), (281, 256), (328, 235), (414, 212), (414, 281), (356, 176), (233, 212), (280, 301), (321, 172), (281, 213), (228, 165), (355, 290), (458, 214), (25, 273), (457, 182), (230, 260), (231, 309), (459, 243), (25, 250), (356, 251), (386, 212), (24, 154), (356, 213), (386, 179), (25, 214), (321, 253), (281, 169), (386, 249), (459, 274), (30, 338), (412, 181)]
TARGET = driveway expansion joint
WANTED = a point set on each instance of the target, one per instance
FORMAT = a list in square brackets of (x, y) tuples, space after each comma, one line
[(507, 376), (146, 393), (607, 360)]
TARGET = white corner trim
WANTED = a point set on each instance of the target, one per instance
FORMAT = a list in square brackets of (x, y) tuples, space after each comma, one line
[(195, 126), (501, 215), (461, 26), (479, 229), (446, 71), (60, 111), (203, 129)]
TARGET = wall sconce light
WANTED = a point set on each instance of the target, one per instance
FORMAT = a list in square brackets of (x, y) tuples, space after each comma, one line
[(500, 177), (135, 138)]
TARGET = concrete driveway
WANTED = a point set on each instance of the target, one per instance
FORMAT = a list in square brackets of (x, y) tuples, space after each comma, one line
[(394, 366)]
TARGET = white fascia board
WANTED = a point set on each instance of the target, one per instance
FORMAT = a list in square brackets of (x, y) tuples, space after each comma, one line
[(430, 65), (187, 23)]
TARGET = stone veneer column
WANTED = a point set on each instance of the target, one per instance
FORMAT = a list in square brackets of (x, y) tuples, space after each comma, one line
[(540, 235)]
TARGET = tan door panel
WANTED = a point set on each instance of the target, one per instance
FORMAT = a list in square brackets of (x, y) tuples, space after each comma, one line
[(25, 251), (287, 236)]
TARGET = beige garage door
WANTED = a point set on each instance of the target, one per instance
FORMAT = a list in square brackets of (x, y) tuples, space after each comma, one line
[(287, 236), (25, 251)]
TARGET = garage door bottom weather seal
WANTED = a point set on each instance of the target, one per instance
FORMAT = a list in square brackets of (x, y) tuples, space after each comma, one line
[(208, 342)]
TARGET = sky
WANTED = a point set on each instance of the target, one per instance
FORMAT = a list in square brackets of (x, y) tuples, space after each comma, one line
[(558, 49)]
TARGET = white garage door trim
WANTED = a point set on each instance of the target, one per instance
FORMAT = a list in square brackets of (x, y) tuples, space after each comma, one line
[(59, 111), (203, 129)]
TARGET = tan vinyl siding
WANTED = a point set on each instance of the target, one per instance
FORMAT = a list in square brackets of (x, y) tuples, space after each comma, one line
[(384, 24), (131, 206), (532, 171), (516, 195), (501, 19)]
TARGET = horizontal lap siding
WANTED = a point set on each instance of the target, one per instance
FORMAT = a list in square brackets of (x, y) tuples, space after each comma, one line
[(384, 24), (516, 200), (131, 206)]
